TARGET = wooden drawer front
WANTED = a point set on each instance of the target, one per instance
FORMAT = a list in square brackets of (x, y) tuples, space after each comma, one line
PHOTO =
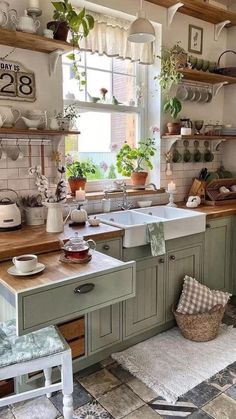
[(6, 387), (61, 303), (111, 248), (72, 330), (77, 347)]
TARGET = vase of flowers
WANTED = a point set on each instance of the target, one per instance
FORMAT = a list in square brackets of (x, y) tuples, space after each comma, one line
[(77, 172)]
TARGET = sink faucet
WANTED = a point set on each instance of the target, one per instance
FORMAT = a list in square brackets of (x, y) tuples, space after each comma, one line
[(125, 204), (153, 185)]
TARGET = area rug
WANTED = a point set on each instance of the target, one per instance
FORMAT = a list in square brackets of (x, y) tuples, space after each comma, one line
[(172, 365)]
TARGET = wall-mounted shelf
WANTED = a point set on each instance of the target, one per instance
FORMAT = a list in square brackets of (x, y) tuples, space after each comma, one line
[(102, 107), (200, 10), (17, 132), (206, 77), (199, 137)]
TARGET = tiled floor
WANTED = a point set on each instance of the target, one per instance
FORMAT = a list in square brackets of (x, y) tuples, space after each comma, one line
[(107, 391)]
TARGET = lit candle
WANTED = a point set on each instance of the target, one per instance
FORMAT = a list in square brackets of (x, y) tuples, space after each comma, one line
[(33, 4), (80, 195), (171, 187)]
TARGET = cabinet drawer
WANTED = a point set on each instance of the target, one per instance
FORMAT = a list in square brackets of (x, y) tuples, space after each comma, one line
[(72, 330), (61, 303), (111, 248), (77, 347)]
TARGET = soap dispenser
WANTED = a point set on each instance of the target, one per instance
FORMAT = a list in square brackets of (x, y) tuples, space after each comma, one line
[(106, 203)]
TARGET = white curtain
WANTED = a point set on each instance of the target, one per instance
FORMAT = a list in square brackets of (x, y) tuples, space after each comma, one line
[(109, 37)]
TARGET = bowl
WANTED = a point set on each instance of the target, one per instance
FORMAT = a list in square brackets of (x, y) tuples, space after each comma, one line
[(144, 204), (94, 222)]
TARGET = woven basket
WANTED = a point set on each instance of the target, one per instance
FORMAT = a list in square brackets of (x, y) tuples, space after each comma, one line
[(200, 327), (226, 71)]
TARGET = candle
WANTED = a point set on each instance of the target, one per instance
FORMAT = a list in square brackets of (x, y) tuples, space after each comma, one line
[(80, 195), (171, 187), (33, 4)]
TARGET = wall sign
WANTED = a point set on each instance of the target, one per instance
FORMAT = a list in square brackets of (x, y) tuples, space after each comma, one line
[(16, 82)]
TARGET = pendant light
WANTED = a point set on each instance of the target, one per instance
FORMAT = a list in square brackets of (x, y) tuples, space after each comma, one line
[(141, 30)]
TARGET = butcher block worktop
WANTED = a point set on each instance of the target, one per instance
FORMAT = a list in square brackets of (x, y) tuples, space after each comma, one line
[(36, 240), (214, 211)]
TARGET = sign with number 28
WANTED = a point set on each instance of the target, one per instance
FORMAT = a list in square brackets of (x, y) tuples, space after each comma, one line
[(16, 82)]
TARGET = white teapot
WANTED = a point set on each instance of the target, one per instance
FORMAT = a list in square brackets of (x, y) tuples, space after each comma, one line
[(6, 14), (26, 23), (8, 117)]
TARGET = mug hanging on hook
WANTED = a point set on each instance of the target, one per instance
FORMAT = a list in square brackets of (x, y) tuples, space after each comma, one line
[(3, 152)]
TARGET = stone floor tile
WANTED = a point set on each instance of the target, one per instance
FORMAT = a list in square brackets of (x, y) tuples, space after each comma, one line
[(120, 402), (145, 393), (201, 394), (92, 410), (100, 382), (80, 397), (143, 412), (166, 410), (87, 371), (39, 408), (5, 413), (223, 379), (231, 392), (106, 362), (123, 375), (222, 407), (199, 414)]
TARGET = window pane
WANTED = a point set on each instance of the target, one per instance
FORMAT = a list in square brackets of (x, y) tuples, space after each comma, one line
[(102, 134), (124, 88), (98, 61), (124, 66), (96, 80), (71, 86)]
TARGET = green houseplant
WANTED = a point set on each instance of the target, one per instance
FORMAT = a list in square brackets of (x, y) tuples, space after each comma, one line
[(172, 59), (173, 107), (77, 172), (133, 161)]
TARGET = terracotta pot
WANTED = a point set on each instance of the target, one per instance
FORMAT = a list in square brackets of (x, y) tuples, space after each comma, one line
[(173, 128), (76, 184), (60, 30), (139, 178)]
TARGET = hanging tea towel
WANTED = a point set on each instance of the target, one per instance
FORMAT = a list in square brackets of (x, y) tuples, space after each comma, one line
[(156, 238)]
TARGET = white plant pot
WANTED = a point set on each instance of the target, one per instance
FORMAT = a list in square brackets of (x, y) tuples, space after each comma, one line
[(34, 216)]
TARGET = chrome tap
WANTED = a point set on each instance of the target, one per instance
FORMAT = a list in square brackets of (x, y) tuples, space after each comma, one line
[(125, 204)]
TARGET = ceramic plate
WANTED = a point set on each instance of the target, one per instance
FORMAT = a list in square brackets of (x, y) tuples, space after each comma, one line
[(13, 271)]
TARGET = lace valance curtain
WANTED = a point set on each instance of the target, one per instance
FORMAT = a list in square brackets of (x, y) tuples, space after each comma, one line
[(109, 37)]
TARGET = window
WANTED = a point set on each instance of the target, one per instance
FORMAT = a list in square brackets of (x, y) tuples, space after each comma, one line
[(104, 127)]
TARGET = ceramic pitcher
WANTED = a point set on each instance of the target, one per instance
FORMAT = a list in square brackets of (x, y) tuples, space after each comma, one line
[(9, 14), (8, 112), (55, 222), (26, 23)]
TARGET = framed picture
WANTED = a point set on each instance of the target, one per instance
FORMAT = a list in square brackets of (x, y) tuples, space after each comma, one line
[(195, 39)]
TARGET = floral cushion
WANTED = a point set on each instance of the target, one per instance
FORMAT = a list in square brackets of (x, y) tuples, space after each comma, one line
[(15, 349)]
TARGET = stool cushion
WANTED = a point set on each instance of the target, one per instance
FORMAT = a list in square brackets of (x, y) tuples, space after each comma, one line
[(15, 349)]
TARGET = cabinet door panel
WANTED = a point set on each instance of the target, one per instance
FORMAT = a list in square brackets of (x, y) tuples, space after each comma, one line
[(218, 254), (146, 309), (180, 263), (104, 327)]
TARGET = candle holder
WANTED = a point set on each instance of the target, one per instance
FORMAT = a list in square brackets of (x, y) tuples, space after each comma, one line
[(34, 12), (171, 198)]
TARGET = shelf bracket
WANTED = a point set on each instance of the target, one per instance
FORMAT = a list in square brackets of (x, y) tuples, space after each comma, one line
[(171, 11), (217, 87), (171, 140), (53, 60), (219, 27), (217, 146)]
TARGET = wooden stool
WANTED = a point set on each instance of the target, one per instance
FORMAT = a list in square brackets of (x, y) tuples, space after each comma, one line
[(40, 350)]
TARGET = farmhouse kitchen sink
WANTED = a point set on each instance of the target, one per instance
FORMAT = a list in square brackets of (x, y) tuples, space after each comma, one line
[(177, 223)]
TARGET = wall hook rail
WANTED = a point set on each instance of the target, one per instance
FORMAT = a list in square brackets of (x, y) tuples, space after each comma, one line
[(171, 11)]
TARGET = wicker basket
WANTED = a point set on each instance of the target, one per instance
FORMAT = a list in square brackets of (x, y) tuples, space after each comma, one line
[(200, 327), (226, 71)]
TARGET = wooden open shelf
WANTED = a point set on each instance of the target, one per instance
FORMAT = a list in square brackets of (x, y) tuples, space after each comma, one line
[(206, 77), (36, 133), (200, 10), (32, 42), (199, 137)]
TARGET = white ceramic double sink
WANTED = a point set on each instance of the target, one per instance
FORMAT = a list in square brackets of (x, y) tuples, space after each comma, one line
[(177, 222)]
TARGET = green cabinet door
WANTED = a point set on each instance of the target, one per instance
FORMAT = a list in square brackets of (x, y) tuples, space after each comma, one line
[(218, 254), (181, 262), (146, 309)]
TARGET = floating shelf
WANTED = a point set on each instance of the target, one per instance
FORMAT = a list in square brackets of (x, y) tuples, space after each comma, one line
[(102, 107), (200, 10), (32, 42), (199, 137), (35, 133), (206, 77)]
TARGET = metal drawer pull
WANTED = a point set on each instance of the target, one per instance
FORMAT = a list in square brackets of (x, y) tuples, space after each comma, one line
[(106, 247), (172, 257), (83, 289), (161, 260)]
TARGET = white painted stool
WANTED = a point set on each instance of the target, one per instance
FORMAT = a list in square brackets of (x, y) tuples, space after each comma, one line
[(40, 350)]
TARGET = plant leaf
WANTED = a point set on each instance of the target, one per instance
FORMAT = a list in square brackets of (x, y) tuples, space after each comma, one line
[(59, 6)]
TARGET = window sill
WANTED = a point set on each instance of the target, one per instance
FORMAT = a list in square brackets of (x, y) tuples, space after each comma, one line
[(92, 196)]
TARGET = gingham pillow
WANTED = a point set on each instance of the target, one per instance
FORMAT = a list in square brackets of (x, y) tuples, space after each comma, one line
[(197, 298)]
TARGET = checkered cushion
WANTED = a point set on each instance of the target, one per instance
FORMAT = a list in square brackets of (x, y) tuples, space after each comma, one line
[(197, 298)]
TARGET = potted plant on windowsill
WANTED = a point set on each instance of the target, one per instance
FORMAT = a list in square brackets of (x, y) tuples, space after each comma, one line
[(133, 161), (66, 119), (77, 172), (173, 107)]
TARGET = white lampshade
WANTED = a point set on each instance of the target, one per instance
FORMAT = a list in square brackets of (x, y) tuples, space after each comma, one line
[(141, 30)]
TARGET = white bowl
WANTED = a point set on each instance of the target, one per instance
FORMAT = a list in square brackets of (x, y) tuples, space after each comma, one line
[(144, 204)]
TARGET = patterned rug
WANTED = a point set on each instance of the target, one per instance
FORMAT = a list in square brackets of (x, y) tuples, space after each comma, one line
[(172, 365)]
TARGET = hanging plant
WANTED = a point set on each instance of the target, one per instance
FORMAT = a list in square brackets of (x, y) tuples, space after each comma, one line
[(171, 60)]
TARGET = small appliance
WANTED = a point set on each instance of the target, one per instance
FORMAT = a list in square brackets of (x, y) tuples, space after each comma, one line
[(10, 216)]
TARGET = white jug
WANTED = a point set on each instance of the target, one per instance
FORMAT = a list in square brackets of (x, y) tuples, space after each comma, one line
[(55, 222), (2, 120), (6, 15), (7, 112), (26, 23), (3, 19)]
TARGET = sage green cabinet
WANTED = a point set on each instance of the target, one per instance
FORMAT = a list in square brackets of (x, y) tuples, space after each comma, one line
[(219, 254), (146, 309)]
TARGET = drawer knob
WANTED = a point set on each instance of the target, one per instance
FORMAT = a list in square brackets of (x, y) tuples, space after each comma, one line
[(172, 257), (84, 289), (208, 225), (106, 247), (162, 260)]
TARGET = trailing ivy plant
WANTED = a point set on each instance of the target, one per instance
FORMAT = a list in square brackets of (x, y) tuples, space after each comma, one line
[(80, 24), (170, 63), (135, 159)]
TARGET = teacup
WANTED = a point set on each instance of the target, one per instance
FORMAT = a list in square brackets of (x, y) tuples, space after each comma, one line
[(25, 263)]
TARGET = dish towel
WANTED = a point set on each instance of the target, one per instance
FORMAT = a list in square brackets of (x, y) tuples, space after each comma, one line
[(155, 233)]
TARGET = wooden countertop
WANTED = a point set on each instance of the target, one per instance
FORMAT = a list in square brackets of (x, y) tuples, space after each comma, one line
[(214, 211), (55, 271), (36, 240)]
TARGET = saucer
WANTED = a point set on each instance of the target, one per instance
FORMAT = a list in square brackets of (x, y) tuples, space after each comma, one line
[(71, 260), (13, 271)]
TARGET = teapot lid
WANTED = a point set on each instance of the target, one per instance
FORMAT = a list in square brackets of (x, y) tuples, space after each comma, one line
[(75, 242)]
